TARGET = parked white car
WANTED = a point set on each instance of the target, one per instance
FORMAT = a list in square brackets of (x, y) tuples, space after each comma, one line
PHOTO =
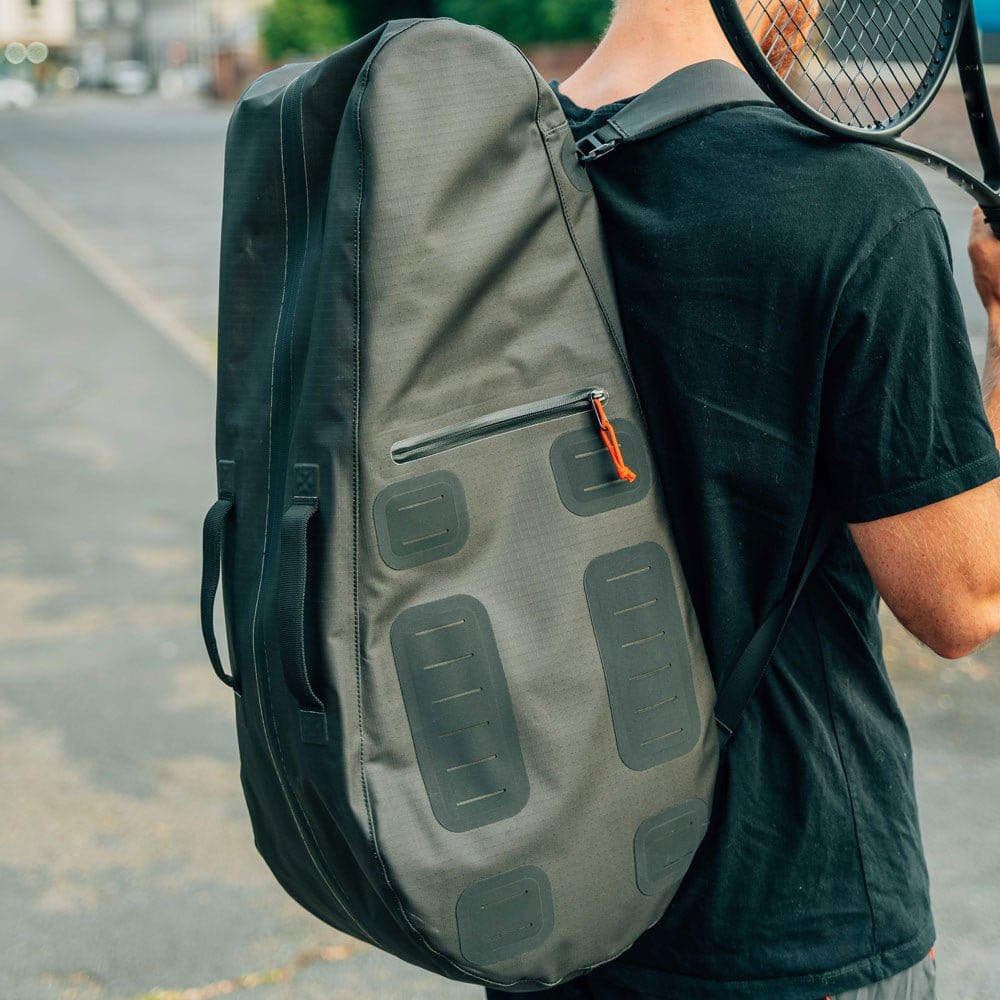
[(184, 81), (129, 77), (17, 93)]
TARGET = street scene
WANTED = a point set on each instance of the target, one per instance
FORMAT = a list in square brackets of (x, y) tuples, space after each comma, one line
[(127, 866)]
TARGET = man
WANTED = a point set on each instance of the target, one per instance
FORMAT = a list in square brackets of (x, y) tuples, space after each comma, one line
[(800, 348)]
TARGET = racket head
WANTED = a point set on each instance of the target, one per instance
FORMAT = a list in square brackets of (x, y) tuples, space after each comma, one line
[(861, 69)]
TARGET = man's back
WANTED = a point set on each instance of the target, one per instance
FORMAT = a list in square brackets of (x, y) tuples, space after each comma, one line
[(800, 350)]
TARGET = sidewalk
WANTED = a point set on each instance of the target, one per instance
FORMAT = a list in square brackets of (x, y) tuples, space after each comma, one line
[(126, 859)]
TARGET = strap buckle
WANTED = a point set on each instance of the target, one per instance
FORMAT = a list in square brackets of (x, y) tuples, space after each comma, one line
[(594, 146)]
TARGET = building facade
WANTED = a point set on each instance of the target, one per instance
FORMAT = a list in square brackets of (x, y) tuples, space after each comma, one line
[(51, 22)]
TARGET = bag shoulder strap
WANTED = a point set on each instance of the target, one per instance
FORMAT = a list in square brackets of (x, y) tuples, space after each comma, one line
[(738, 688), (692, 92)]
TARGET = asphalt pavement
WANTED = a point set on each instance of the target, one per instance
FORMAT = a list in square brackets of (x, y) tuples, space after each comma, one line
[(127, 869)]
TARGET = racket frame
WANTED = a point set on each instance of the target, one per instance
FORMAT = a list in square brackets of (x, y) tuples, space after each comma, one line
[(960, 43), (969, 58)]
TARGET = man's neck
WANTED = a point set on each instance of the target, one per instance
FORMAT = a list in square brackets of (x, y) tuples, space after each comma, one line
[(646, 41)]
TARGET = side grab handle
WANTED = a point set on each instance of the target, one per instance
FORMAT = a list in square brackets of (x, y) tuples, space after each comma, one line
[(292, 576), (219, 514)]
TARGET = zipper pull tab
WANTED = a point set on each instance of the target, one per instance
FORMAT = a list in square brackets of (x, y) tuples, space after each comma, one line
[(610, 440)]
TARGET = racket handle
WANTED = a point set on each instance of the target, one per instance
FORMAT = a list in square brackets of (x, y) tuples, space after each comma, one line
[(969, 57), (992, 215)]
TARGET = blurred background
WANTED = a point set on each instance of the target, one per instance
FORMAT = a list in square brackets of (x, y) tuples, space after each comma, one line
[(127, 869), (216, 47)]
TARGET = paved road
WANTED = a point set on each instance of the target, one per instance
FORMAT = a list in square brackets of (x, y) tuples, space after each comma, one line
[(126, 860), (142, 178), (126, 864)]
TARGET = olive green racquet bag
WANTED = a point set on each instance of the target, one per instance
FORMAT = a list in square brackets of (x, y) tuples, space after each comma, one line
[(474, 712)]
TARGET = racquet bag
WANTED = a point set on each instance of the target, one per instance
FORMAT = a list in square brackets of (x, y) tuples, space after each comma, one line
[(474, 712)]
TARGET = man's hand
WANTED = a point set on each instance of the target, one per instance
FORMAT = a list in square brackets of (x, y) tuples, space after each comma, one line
[(984, 251)]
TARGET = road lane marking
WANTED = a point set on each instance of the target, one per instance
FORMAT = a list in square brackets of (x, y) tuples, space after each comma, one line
[(110, 274)]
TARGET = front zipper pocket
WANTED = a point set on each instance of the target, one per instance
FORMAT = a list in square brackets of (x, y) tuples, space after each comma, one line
[(526, 415)]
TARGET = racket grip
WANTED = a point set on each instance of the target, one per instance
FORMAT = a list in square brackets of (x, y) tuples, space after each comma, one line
[(992, 216)]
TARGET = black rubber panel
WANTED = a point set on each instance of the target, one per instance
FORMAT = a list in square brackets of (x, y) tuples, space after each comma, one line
[(460, 714), (420, 520), (665, 845), (643, 646), (504, 916), (585, 474)]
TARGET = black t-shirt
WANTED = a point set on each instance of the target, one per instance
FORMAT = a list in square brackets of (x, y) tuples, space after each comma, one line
[(799, 345)]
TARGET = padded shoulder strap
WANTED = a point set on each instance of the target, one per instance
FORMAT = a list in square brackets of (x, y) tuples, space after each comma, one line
[(691, 92)]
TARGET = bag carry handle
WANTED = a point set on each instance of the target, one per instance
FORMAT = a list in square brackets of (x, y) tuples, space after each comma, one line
[(739, 686), (293, 571), (212, 535)]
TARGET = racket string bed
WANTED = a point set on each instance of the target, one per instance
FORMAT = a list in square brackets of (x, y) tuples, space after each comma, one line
[(859, 62), (865, 70), (784, 52)]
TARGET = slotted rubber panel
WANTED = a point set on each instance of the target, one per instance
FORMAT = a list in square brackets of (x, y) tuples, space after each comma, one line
[(643, 647), (460, 714), (585, 475), (420, 520), (505, 915), (665, 845)]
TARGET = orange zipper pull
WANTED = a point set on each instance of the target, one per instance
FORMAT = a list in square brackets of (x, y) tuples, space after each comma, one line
[(610, 440)]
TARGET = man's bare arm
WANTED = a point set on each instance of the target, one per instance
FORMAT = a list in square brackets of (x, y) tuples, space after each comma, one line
[(938, 567)]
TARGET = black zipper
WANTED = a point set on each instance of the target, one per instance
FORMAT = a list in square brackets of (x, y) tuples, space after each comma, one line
[(436, 442), (295, 183)]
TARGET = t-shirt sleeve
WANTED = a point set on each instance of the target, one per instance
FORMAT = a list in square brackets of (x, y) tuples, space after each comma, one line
[(903, 423)]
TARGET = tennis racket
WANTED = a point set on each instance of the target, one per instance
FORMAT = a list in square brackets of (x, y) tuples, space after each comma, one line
[(867, 69)]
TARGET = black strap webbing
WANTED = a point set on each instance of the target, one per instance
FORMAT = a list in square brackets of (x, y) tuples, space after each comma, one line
[(700, 89), (736, 691), (212, 536), (293, 571)]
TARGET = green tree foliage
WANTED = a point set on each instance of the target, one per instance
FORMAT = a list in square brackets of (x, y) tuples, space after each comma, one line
[(522, 21), (532, 21), (313, 26), (305, 27), (368, 14)]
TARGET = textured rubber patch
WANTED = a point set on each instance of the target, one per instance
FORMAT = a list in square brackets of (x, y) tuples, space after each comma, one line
[(421, 519), (585, 475), (640, 635), (504, 916), (460, 713), (665, 845)]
